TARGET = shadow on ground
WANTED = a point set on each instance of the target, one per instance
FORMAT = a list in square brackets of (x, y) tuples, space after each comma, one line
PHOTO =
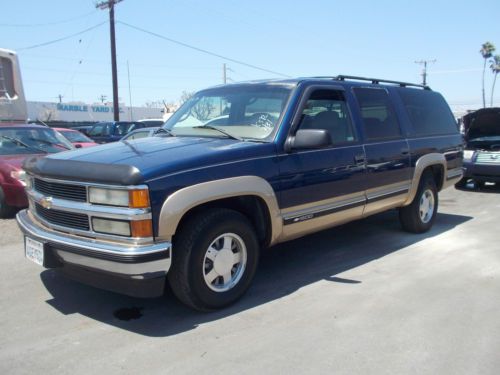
[(283, 270)]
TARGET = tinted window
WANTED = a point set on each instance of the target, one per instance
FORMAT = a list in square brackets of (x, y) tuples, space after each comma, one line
[(327, 109), (428, 112), (7, 83), (378, 116)]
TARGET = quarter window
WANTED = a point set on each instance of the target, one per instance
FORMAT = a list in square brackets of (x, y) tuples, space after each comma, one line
[(327, 109), (379, 118)]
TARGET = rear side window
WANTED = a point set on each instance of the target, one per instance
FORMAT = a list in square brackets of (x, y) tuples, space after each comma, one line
[(379, 119), (428, 112)]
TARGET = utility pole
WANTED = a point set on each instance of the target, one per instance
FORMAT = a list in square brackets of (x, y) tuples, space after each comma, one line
[(110, 4), (131, 115), (103, 98), (224, 73), (424, 70), (60, 98)]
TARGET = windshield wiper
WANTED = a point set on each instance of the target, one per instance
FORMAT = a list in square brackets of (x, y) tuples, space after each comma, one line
[(50, 143), (21, 143), (219, 130), (163, 130)]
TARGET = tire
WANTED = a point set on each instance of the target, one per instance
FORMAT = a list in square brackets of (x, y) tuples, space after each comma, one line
[(462, 183), (419, 216), (5, 209), (214, 259)]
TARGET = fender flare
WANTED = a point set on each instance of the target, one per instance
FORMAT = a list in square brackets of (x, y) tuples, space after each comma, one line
[(179, 203), (422, 163)]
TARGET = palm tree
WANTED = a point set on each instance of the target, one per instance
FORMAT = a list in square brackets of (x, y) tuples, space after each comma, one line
[(486, 51), (495, 68)]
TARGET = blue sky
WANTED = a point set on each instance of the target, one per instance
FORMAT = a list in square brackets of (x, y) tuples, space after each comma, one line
[(318, 37)]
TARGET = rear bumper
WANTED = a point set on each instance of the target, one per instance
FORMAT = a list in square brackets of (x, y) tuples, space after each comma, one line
[(482, 172), (133, 270)]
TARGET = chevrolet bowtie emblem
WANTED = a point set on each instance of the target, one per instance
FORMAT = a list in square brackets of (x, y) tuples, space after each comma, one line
[(46, 202)]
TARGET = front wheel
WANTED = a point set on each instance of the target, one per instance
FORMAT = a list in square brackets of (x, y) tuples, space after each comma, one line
[(419, 216), (215, 257)]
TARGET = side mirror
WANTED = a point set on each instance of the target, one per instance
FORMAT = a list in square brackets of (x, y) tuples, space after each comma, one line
[(310, 139)]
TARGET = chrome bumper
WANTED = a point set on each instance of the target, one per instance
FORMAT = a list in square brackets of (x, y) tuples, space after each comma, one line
[(131, 261)]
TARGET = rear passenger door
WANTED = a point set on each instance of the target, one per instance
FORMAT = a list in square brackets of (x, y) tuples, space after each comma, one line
[(322, 187), (387, 152)]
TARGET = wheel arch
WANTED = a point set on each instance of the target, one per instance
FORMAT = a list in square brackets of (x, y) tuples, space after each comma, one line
[(250, 195), (435, 163)]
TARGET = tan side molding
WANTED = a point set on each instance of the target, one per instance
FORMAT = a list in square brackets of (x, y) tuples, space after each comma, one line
[(183, 200), (422, 163)]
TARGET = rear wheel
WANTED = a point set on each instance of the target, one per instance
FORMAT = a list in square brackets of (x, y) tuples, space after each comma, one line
[(419, 216), (215, 256)]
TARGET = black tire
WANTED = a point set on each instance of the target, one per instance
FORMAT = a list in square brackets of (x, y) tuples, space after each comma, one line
[(5, 209), (461, 184), (189, 259), (410, 216)]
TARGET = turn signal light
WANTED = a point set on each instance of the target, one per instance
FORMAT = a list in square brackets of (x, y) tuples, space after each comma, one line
[(141, 228), (138, 198)]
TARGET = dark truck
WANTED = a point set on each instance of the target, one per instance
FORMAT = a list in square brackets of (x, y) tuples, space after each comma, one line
[(239, 168)]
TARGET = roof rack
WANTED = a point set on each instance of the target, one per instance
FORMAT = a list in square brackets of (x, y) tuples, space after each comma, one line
[(377, 81)]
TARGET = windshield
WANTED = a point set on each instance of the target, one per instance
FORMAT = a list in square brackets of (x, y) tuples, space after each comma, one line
[(75, 136), (14, 141), (240, 112)]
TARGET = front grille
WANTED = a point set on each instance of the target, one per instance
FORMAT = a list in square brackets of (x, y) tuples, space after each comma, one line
[(62, 218), (64, 191), (488, 158)]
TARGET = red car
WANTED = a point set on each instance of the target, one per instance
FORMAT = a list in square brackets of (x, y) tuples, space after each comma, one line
[(17, 142), (77, 138)]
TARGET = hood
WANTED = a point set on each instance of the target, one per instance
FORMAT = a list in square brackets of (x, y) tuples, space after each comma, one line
[(135, 162), (482, 123)]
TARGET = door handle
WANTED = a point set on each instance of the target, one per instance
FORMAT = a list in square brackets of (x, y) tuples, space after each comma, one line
[(405, 151), (359, 159)]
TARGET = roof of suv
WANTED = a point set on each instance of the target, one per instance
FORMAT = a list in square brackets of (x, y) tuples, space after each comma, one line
[(352, 80)]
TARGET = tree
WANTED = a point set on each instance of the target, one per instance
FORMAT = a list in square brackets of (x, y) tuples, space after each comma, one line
[(486, 51), (185, 96), (495, 68)]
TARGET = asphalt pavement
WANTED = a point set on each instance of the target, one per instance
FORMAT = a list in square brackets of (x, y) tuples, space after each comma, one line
[(363, 298)]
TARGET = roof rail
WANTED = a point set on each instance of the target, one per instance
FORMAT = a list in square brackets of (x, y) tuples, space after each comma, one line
[(377, 81)]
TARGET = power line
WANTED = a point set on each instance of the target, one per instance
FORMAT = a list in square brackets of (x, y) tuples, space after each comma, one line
[(204, 50), (61, 39), (48, 23)]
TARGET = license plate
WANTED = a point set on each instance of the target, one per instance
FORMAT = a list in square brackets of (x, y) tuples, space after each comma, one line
[(34, 250)]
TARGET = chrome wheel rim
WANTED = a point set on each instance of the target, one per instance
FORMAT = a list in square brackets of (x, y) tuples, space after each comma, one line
[(426, 207), (224, 262)]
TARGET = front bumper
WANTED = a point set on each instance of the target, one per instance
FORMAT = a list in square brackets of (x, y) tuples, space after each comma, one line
[(482, 172), (138, 270)]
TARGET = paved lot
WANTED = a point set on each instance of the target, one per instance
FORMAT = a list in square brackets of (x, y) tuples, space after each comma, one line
[(364, 298)]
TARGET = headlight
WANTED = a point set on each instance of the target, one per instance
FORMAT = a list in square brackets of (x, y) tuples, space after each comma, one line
[(138, 198), (468, 155), (19, 175), (108, 196), (121, 228)]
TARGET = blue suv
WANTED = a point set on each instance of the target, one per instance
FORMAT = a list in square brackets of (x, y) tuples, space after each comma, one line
[(239, 168)]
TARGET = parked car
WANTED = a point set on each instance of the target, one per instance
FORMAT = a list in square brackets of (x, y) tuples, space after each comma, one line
[(105, 132), (78, 139), (482, 146), (140, 133), (236, 169), (17, 142), (149, 122), (84, 129)]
